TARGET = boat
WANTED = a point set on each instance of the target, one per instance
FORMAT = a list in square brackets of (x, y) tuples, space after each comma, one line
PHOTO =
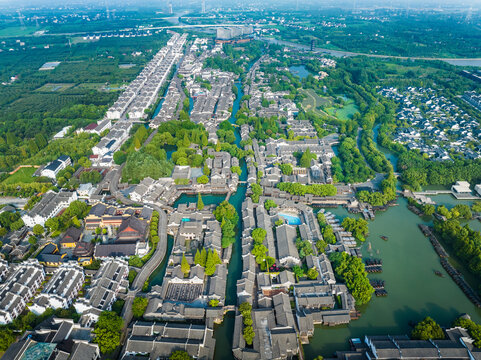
[(369, 247), (438, 273), (385, 238)]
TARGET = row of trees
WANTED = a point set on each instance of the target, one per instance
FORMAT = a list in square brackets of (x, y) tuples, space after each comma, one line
[(207, 259), (465, 242), (315, 189)]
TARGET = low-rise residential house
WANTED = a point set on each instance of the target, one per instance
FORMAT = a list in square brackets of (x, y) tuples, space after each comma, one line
[(49, 206), (53, 168), (20, 285), (109, 280), (61, 289)]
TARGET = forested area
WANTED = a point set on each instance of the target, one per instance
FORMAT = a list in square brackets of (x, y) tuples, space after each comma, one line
[(418, 33)]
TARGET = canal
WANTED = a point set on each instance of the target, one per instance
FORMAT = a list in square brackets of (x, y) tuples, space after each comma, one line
[(409, 262)]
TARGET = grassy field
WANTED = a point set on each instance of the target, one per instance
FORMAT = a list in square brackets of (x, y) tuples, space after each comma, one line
[(346, 112), (312, 102), (12, 31), (23, 175), (50, 87)]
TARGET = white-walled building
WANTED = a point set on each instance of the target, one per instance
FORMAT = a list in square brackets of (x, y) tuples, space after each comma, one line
[(18, 288), (53, 168), (48, 207), (61, 289)]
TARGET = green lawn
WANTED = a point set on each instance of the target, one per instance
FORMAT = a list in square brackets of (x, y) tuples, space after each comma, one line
[(346, 112), (23, 175)]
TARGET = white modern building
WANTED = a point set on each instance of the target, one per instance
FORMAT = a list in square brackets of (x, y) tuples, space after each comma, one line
[(18, 288), (48, 207), (61, 289), (53, 168)]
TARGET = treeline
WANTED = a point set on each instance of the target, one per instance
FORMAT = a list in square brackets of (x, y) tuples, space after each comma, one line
[(465, 242), (315, 189), (418, 172)]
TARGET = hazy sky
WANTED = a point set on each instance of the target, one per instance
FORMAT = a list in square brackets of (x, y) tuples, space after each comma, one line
[(235, 3)]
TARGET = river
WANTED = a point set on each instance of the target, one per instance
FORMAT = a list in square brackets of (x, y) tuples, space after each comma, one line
[(409, 262)]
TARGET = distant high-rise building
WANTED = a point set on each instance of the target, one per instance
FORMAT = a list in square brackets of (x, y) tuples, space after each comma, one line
[(203, 6), (171, 10), (313, 43)]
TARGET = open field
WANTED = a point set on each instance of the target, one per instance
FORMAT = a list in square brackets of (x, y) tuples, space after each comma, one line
[(312, 102), (51, 87), (346, 112), (13, 31), (23, 175)]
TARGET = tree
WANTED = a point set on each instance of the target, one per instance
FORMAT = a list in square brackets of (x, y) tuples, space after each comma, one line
[(306, 158), (108, 331), (203, 257), (139, 306), (268, 204), (197, 258), (184, 265), (258, 235), (213, 302), (120, 157), (286, 169), (180, 355), (32, 240), (248, 334), (427, 329), (38, 229), (312, 273), (256, 192), (358, 227), (351, 271), (7, 338), (298, 272), (203, 179), (200, 203), (428, 209), (210, 264)]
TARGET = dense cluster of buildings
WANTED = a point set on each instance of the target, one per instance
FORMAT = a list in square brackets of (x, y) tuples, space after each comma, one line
[(19, 284), (182, 305), (317, 300), (434, 125), (142, 92), (106, 284), (55, 339), (260, 92)]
